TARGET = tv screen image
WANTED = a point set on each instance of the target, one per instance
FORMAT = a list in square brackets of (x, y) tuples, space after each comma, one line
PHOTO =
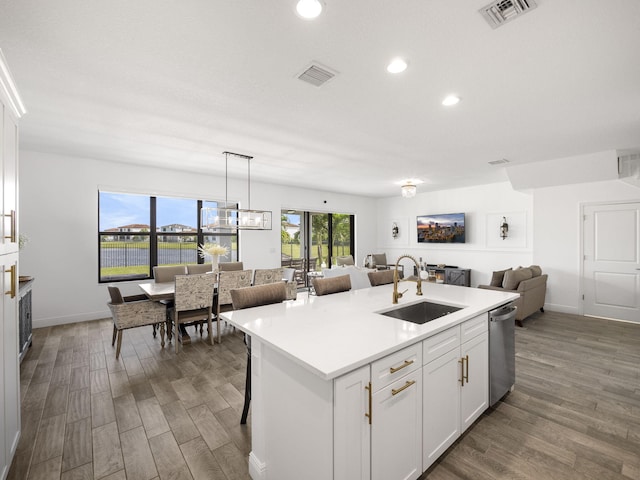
[(442, 228)]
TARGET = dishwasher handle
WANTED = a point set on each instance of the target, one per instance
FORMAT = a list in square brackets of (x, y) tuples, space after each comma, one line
[(503, 314)]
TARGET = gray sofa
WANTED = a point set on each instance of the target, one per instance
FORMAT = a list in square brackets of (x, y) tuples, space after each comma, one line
[(529, 282)]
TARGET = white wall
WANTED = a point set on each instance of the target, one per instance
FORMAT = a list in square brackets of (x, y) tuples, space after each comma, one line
[(484, 250), (558, 235), (59, 214)]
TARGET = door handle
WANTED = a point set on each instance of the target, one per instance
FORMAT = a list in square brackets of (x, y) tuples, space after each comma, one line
[(368, 414), (12, 290), (12, 235)]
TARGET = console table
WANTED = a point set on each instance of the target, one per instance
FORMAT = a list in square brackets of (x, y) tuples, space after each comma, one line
[(451, 275), (24, 298)]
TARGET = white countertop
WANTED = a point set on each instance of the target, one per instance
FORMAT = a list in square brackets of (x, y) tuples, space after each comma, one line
[(335, 334)]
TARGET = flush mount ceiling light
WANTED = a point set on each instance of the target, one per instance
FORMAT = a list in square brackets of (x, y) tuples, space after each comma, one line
[(450, 100), (408, 187), (397, 65), (309, 9), (408, 190), (230, 218)]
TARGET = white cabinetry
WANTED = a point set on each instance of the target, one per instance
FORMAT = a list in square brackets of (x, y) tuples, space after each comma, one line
[(378, 419), (396, 410), (10, 110), (9, 376), (352, 429), (456, 385)]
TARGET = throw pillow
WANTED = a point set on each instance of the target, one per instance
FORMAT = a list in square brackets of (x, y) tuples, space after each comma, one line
[(512, 278), (498, 277), (536, 271)]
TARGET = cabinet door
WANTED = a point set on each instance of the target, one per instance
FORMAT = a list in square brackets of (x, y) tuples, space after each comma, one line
[(9, 154), (396, 430), (441, 405), (10, 415), (352, 431), (475, 391)]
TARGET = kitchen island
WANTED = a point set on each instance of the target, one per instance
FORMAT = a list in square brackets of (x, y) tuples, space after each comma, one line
[(335, 384)]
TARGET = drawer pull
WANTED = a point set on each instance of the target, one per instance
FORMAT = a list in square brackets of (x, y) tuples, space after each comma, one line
[(404, 387), (397, 369)]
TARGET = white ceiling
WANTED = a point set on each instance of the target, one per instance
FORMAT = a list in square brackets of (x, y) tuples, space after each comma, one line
[(175, 83)]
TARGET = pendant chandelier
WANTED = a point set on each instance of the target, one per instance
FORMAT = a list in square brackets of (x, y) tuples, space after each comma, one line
[(233, 218)]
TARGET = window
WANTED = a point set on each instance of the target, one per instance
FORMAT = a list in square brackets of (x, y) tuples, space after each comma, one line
[(138, 232)]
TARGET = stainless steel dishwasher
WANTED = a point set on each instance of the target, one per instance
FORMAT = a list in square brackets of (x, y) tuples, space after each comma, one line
[(502, 350)]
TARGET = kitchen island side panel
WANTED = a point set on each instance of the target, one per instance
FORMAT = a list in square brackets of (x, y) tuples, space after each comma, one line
[(294, 421)]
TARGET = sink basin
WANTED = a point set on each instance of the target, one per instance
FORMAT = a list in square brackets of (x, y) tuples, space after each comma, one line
[(421, 312)]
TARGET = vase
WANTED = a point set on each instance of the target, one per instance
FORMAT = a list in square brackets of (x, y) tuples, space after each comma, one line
[(214, 263)]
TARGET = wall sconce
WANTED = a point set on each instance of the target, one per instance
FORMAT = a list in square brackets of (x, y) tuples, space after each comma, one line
[(504, 228), (395, 230)]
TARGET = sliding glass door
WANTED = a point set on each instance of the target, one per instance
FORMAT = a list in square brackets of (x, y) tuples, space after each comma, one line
[(311, 240)]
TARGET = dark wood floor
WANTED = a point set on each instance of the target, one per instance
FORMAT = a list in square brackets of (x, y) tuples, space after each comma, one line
[(575, 413)]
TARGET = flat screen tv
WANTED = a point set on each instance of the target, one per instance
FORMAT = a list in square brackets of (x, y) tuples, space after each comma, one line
[(441, 228)]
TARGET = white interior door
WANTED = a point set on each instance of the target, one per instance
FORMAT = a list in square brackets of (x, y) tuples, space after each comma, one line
[(611, 262)]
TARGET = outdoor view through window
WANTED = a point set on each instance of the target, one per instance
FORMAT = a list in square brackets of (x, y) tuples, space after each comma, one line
[(138, 232)]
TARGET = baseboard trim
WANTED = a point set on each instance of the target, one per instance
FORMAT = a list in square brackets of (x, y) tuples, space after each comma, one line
[(83, 317), (257, 469)]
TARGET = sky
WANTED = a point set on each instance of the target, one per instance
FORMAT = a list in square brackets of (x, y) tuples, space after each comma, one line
[(118, 209)]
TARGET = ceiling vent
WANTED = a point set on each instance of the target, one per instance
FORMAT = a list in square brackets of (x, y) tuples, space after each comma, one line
[(499, 162), (317, 75), (502, 11)]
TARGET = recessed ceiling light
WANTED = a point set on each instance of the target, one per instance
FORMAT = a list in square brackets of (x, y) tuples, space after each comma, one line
[(309, 9), (450, 100), (397, 65)]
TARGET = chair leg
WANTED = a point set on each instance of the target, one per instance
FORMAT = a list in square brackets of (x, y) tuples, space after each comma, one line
[(162, 334), (175, 330), (115, 333), (218, 324), (247, 386), (210, 329), (119, 344), (154, 330)]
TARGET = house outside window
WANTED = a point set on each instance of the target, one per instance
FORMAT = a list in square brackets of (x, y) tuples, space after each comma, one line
[(138, 232)]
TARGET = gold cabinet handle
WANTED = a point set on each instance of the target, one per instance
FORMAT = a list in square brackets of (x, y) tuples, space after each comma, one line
[(405, 364), (368, 414), (464, 377), (12, 236), (395, 391), (12, 290)]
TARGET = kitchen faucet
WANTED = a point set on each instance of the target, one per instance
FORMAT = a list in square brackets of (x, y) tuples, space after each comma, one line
[(396, 294)]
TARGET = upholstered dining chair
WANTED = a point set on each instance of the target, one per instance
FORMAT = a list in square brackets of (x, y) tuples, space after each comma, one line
[(248, 297), (166, 274), (227, 281), (272, 275), (196, 268), (381, 277), (345, 260), (263, 276), (130, 312), (230, 266), (380, 262), (193, 302), (326, 286)]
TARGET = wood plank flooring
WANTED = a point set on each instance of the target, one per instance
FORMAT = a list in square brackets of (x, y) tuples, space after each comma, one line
[(575, 413)]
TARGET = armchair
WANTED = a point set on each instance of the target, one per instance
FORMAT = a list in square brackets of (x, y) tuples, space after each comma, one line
[(529, 282)]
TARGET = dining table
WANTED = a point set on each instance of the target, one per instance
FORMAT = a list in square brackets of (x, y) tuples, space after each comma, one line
[(159, 291)]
